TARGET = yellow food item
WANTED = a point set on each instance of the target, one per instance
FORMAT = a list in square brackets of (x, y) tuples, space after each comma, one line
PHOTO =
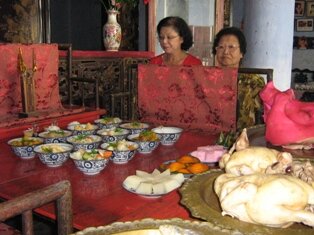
[(198, 168), (186, 159), (147, 135), (26, 141)]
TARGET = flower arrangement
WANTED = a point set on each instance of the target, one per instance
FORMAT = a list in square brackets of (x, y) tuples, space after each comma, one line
[(117, 4)]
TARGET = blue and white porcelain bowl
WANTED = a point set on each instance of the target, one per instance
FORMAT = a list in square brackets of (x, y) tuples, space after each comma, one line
[(135, 127), (108, 122), (55, 137), (86, 142), (54, 154), (91, 167), (82, 129), (122, 151), (24, 147), (93, 164), (168, 134), (113, 134), (144, 146)]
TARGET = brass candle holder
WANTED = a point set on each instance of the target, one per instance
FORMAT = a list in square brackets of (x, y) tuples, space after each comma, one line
[(27, 85)]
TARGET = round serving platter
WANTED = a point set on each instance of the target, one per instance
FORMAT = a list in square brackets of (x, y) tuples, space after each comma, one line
[(199, 197), (150, 227)]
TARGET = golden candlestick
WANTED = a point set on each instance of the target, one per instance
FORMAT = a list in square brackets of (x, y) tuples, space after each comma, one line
[(27, 84)]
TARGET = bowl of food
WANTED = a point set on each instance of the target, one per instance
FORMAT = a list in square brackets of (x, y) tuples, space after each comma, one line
[(147, 141), (86, 129), (23, 147), (113, 134), (54, 134), (134, 127), (108, 122), (83, 141), (168, 134), (53, 154), (122, 150), (91, 162)]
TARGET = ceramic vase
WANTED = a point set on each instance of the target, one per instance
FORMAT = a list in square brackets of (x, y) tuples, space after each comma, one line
[(112, 32)]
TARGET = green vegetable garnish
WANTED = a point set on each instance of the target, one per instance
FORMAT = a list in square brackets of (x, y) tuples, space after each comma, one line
[(47, 149), (226, 139), (135, 124), (81, 137), (146, 133), (113, 145), (118, 130), (59, 132), (107, 119)]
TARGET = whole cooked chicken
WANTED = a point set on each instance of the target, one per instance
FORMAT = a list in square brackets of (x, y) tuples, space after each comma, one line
[(243, 159), (275, 200)]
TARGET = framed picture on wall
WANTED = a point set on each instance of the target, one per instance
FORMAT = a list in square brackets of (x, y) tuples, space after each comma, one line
[(304, 25), (24, 21), (310, 8), (301, 42), (299, 8)]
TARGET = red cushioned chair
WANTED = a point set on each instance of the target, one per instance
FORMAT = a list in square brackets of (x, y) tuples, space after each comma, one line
[(193, 97)]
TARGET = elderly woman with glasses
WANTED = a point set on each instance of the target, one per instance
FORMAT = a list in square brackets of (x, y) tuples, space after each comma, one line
[(229, 48), (175, 38)]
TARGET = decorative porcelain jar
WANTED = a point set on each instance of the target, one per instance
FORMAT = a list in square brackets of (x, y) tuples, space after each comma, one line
[(112, 32)]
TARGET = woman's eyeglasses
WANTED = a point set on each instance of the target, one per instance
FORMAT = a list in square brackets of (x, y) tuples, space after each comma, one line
[(169, 38), (231, 48)]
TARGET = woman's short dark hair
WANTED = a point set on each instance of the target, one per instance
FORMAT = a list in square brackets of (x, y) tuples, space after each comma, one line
[(230, 31), (181, 27)]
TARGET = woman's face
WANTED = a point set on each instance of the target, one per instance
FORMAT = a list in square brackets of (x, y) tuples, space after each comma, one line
[(170, 41), (228, 52)]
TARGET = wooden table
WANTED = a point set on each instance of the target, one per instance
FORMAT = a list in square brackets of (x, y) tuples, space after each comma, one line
[(100, 199)]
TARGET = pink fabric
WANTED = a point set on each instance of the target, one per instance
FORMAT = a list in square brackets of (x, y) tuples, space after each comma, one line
[(287, 119), (193, 97), (46, 77), (189, 60)]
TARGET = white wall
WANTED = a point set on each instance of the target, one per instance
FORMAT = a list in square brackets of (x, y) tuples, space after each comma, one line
[(301, 59), (195, 12)]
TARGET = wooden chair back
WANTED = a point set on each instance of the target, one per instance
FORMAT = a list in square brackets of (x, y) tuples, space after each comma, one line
[(260, 71), (71, 79), (191, 97), (267, 75), (23, 205)]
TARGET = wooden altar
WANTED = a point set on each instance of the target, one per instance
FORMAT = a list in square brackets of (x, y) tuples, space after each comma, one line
[(44, 88)]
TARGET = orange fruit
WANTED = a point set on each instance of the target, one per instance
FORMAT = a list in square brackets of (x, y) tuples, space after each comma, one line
[(184, 171), (186, 159), (175, 166), (198, 168)]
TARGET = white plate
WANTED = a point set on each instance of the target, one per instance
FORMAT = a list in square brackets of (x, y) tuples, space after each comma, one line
[(146, 195)]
